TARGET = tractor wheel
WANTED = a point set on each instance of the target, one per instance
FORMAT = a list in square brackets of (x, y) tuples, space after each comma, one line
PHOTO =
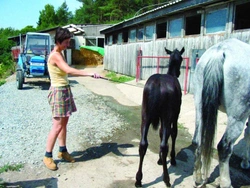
[(19, 79)]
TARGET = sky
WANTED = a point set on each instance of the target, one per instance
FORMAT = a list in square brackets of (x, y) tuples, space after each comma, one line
[(18, 14)]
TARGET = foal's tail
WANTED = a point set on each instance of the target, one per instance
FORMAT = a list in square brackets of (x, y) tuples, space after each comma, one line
[(150, 103), (212, 86)]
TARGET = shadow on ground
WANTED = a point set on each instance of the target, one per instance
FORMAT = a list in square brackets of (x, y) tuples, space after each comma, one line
[(100, 151), (37, 84), (49, 182)]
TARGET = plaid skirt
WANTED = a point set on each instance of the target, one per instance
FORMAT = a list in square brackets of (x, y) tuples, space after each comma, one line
[(61, 101)]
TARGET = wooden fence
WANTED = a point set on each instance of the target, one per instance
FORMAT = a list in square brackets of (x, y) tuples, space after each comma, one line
[(139, 67), (123, 58)]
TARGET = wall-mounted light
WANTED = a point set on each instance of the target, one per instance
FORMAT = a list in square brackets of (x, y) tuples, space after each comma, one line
[(200, 11)]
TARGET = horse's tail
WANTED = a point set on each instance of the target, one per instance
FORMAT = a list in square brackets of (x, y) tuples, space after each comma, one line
[(150, 105), (212, 86), (154, 109)]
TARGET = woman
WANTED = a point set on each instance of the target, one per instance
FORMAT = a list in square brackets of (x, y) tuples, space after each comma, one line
[(60, 97)]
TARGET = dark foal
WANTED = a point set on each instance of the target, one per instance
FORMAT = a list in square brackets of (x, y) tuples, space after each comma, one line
[(161, 103)]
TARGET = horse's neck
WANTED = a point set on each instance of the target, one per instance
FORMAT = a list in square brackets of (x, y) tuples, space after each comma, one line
[(172, 71)]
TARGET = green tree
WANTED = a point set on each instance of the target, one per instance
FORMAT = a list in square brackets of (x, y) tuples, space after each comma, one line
[(63, 16), (112, 11), (8, 32), (28, 28), (86, 13), (47, 18), (7, 65), (101, 9), (5, 50), (109, 11)]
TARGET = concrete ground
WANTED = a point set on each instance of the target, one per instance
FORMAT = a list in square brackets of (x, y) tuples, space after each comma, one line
[(130, 94), (115, 163)]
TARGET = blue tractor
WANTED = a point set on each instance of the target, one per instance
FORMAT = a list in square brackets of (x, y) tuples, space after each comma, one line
[(32, 61)]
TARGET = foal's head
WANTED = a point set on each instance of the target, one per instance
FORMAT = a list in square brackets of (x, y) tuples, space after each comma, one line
[(175, 61)]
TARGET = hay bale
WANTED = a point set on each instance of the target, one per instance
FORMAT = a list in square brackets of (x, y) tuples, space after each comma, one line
[(86, 57)]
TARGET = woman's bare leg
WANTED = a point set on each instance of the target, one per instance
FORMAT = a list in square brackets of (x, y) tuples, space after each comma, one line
[(63, 133), (57, 128)]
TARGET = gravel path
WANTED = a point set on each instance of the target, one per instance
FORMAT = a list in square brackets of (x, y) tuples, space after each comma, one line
[(25, 121)]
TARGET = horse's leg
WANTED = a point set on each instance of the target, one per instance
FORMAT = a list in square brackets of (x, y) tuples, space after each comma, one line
[(225, 149), (160, 157), (174, 132), (142, 150), (164, 150), (197, 175), (245, 161)]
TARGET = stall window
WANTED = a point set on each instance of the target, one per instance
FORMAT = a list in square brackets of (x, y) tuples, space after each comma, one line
[(216, 21), (106, 40), (125, 36), (193, 25), (140, 34), (161, 30), (90, 41), (110, 40), (175, 27), (132, 35), (242, 20), (119, 40), (115, 38), (149, 32)]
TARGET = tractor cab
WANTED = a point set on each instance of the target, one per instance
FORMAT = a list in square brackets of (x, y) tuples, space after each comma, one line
[(32, 62)]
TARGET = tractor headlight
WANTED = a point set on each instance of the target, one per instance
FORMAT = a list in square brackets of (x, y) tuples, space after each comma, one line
[(36, 64)]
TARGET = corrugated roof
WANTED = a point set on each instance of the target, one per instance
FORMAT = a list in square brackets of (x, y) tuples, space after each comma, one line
[(169, 3), (170, 8)]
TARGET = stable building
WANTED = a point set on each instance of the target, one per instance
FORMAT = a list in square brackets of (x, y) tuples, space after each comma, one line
[(135, 47)]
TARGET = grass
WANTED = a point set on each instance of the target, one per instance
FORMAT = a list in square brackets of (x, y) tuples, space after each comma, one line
[(181, 126), (8, 167), (118, 78), (2, 184), (6, 69), (2, 81)]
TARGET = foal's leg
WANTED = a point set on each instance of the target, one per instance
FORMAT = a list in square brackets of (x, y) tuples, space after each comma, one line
[(160, 159), (245, 161), (142, 150), (166, 128), (174, 132), (225, 149)]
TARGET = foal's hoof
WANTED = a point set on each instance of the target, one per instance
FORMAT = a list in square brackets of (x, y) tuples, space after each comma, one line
[(168, 184), (159, 162), (173, 162), (138, 184)]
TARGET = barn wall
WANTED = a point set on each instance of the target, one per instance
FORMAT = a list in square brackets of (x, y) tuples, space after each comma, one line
[(123, 58)]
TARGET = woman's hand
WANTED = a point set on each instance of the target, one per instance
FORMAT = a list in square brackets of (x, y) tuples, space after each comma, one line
[(96, 75)]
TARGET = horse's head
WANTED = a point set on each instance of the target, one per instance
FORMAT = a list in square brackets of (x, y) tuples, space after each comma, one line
[(175, 61)]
